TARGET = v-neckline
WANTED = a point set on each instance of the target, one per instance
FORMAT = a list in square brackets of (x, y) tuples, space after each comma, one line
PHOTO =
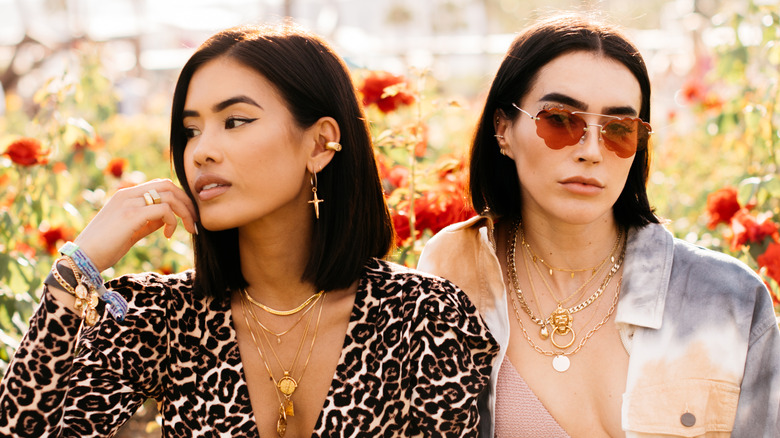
[(242, 388)]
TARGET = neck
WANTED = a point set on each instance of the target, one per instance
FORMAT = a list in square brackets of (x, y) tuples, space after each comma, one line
[(273, 258), (570, 246)]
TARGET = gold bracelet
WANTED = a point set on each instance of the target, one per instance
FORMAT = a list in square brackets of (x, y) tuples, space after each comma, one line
[(86, 296), (61, 281)]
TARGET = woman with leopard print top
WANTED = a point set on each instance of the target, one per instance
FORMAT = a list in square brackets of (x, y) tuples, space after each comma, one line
[(290, 323)]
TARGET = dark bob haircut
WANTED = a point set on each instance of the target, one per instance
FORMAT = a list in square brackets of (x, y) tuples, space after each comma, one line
[(494, 186), (354, 225)]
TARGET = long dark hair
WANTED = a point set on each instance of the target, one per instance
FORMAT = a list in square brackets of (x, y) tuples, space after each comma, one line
[(493, 184), (314, 82)]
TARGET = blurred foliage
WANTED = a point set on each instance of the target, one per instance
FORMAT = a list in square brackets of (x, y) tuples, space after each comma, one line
[(725, 133)]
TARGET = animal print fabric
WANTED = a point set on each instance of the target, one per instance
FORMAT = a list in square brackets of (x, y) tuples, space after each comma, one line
[(416, 357)]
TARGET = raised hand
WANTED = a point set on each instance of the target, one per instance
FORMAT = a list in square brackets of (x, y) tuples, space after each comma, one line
[(132, 214)]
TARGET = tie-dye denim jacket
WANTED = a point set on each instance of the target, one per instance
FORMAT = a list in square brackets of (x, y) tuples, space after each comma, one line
[(698, 325)]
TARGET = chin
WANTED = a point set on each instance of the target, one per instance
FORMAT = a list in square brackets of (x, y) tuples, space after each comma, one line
[(212, 224)]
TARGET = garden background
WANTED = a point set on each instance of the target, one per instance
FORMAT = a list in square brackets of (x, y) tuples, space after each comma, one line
[(86, 89)]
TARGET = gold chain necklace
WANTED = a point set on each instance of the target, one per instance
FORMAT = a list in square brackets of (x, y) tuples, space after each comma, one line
[(295, 324), (578, 293), (543, 332), (561, 319), (561, 361), (287, 384), (273, 311), (595, 270), (551, 268)]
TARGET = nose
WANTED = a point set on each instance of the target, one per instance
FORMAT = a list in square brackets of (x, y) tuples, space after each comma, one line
[(589, 146), (205, 148)]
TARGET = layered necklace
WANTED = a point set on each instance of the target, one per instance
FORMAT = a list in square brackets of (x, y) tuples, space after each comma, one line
[(287, 383), (561, 320)]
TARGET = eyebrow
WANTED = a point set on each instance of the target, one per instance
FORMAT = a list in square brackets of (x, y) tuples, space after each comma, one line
[(582, 106), (224, 104)]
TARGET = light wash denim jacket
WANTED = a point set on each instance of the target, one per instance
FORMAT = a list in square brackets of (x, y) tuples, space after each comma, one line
[(698, 325)]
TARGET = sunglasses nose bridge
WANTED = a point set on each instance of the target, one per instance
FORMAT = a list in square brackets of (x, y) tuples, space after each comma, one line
[(585, 131)]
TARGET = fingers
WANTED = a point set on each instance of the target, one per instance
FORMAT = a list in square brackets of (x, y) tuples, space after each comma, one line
[(132, 214), (164, 193)]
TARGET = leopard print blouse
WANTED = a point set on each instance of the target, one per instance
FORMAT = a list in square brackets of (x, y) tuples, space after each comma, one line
[(415, 359)]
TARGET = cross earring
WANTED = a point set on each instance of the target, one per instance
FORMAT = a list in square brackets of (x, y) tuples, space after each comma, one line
[(316, 201)]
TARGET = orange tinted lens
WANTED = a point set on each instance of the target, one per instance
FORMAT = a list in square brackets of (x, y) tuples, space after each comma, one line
[(559, 128), (623, 136)]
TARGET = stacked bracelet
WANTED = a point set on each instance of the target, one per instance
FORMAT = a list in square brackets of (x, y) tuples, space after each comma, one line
[(116, 305), (86, 295)]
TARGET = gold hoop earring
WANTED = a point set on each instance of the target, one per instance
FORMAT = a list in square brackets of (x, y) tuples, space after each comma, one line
[(333, 146), (316, 201)]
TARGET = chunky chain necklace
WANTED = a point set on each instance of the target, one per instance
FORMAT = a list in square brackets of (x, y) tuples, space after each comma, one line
[(561, 320)]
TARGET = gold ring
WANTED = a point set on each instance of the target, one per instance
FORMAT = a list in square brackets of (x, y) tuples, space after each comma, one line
[(148, 198), (155, 196)]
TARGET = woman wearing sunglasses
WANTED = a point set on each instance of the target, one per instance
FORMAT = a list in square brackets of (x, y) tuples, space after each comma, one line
[(608, 325)]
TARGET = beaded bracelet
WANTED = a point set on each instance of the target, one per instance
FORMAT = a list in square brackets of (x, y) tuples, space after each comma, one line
[(116, 304)]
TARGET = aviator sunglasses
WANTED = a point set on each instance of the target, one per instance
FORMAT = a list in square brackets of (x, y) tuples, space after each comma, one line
[(560, 128)]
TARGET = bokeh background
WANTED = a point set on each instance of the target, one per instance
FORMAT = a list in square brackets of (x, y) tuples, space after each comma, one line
[(86, 88)]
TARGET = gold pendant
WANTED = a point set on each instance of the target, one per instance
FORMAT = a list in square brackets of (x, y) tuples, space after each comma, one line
[(288, 407), (563, 347), (543, 333), (91, 317), (94, 300), (81, 291), (561, 320), (281, 424), (287, 384)]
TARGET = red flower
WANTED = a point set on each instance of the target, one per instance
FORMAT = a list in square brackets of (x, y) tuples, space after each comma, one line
[(401, 226), (721, 206), (26, 152), (116, 167), (746, 228), (398, 176), (59, 167), (384, 90), (25, 250), (52, 236), (770, 260), (442, 207), (693, 91)]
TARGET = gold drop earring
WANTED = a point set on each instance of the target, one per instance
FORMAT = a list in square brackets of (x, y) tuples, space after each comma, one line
[(316, 201)]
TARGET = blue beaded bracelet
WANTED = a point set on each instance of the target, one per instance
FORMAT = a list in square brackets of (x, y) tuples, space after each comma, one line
[(117, 305)]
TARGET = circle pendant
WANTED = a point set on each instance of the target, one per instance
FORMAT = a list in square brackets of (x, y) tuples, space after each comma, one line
[(287, 385), (561, 363)]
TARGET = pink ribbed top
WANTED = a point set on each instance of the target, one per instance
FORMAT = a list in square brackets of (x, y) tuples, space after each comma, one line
[(519, 413)]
